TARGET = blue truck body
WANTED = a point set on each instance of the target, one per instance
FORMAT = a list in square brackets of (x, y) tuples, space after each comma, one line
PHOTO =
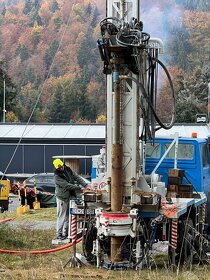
[(193, 157)]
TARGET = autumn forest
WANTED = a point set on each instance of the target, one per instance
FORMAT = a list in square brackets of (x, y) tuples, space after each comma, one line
[(51, 67)]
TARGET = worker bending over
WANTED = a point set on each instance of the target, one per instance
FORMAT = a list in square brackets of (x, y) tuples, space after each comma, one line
[(65, 190)]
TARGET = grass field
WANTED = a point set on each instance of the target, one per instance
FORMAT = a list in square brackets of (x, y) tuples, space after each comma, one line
[(51, 266)]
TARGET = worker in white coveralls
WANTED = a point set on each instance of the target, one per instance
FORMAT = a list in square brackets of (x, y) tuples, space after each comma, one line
[(65, 190), (101, 163)]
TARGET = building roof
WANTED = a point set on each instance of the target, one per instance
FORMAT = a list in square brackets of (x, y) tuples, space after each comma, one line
[(186, 130), (86, 131), (51, 131)]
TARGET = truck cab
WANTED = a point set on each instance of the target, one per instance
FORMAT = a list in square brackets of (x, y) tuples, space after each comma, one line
[(192, 156)]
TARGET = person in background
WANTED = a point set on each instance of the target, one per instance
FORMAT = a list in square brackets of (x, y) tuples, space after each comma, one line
[(101, 164), (65, 190)]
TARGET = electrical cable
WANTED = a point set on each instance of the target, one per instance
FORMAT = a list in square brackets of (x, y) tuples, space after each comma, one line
[(38, 97), (40, 252)]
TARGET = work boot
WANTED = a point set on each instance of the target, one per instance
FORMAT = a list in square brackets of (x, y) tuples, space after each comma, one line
[(65, 233), (65, 236), (59, 236)]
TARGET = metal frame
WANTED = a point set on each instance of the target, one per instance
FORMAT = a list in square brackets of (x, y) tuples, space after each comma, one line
[(129, 103)]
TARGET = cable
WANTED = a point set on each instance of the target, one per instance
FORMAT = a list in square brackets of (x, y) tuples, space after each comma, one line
[(88, 238), (38, 97), (130, 36), (41, 251), (6, 220), (149, 103)]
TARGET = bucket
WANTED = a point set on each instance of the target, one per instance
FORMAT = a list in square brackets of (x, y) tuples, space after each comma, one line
[(36, 205), (19, 210), (26, 208)]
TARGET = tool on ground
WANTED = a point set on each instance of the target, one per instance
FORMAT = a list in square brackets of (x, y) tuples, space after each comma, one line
[(20, 207), (26, 207), (36, 203)]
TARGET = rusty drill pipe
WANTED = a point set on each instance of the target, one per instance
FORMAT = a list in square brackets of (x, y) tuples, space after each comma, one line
[(117, 156), (116, 183), (116, 255)]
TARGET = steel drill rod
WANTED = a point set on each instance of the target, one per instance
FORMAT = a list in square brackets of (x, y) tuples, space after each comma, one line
[(117, 151), (116, 183)]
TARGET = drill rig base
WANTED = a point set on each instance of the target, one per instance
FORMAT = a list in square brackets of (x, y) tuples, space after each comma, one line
[(59, 241), (74, 262), (116, 266)]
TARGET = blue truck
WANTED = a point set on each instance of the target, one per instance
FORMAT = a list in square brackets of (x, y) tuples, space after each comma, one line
[(193, 156)]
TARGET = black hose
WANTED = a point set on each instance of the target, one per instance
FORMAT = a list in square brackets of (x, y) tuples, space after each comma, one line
[(149, 101)]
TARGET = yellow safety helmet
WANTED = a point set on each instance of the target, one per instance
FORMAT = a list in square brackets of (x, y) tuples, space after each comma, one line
[(57, 163)]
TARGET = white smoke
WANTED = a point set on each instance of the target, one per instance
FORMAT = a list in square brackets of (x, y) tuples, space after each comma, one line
[(157, 19)]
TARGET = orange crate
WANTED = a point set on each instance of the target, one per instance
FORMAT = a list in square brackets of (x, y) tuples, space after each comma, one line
[(172, 194), (174, 180), (185, 188), (173, 188), (176, 173), (185, 194)]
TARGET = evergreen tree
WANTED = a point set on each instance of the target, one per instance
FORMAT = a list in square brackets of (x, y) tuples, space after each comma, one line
[(54, 6), (87, 55), (50, 53), (192, 97), (10, 93), (200, 5), (77, 102), (3, 9), (35, 17), (26, 101), (27, 7), (179, 47), (23, 52), (56, 108), (28, 76), (96, 14), (37, 4)]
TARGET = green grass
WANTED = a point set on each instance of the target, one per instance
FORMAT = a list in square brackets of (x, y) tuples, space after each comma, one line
[(51, 266), (42, 214)]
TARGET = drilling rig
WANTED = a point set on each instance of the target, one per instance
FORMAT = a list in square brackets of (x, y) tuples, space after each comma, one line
[(129, 211)]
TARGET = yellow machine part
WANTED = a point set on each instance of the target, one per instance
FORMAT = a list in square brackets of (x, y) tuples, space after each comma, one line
[(4, 189)]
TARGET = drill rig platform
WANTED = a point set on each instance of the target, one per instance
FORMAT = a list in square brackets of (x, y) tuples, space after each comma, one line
[(131, 211)]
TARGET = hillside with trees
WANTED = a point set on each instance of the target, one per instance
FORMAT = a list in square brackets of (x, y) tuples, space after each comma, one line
[(48, 49)]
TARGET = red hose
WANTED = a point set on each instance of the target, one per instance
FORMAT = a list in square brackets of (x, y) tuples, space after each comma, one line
[(6, 220), (40, 252)]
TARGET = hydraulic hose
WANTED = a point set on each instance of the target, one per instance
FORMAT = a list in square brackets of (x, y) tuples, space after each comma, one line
[(6, 220), (36, 252), (41, 251), (149, 102)]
